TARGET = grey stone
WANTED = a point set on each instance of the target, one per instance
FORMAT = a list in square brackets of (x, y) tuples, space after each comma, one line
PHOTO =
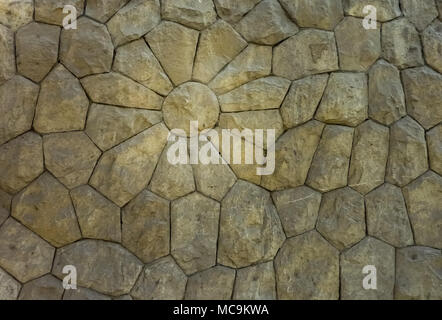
[(197, 14), (9, 288), (255, 283), (7, 52), (51, 11), (434, 141), (233, 10), (45, 288), (386, 9), (420, 13), (213, 284), (103, 10), (432, 41)]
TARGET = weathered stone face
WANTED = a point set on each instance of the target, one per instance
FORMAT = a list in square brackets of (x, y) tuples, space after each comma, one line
[(10, 287), (212, 284), (386, 9), (432, 41), (7, 65), (103, 10), (420, 13), (51, 11), (45, 288), (233, 10), (434, 141), (255, 283), (14, 14), (84, 294), (5, 206), (193, 14)]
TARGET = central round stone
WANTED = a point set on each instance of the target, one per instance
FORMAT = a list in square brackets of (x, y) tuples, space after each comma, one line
[(191, 101)]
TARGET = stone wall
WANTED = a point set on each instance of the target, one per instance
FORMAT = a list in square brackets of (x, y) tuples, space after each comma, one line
[(85, 178)]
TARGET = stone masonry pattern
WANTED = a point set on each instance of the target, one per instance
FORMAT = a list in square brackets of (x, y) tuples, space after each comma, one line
[(85, 116)]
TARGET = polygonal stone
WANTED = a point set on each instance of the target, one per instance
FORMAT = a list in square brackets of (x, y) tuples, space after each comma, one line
[(439, 6), (252, 63), (23, 254), (5, 206), (386, 9), (175, 47), (10, 288), (306, 53), (98, 217), (233, 10), (408, 157), (432, 40), (417, 276), (387, 217), (264, 93), (217, 46), (89, 51), (319, 14), (136, 158), (358, 47), (345, 100), (14, 14), (37, 50), (342, 217), (45, 288), (46, 208), (62, 104), (424, 203), (434, 141), (70, 157), (21, 161), (18, 97), (302, 100), (266, 24), (137, 61), (401, 45), (212, 284), (189, 102), (255, 283), (197, 14), (307, 267), (250, 230), (293, 155), (369, 252), (51, 11), (134, 20), (146, 226), (298, 209), (84, 293), (386, 98), (103, 10), (103, 266), (424, 97), (369, 157), (420, 13), (329, 168), (194, 221), (7, 52), (161, 280)]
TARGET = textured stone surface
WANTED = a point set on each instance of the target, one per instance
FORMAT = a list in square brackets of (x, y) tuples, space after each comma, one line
[(213, 284), (197, 14), (70, 157), (387, 217), (7, 52), (51, 11), (46, 208), (10, 288), (250, 229), (233, 10), (45, 288), (434, 141), (420, 13), (306, 53), (146, 226), (83, 294), (386, 9), (432, 41), (5, 206), (341, 218), (417, 274), (103, 10), (21, 161), (307, 267), (14, 14), (408, 157), (213, 180), (18, 97), (373, 252), (107, 259), (255, 283), (424, 203)]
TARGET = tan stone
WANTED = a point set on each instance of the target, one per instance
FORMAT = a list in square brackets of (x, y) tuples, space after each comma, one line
[(10, 288), (250, 229), (408, 157), (298, 209), (218, 45), (98, 217), (434, 141), (83, 293), (136, 158), (146, 226), (252, 63), (103, 10), (62, 104), (387, 217), (14, 14), (386, 9), (21, 161), (306, 53), (420, 13), (213, 284), (18, 97), (22, 253), (46, 208), (5, 206), (175, 47), (7, 52), (342, 217), (70, 157), (432, 41), (45, 288), (307, 267), (330, 164), (102, 266), (233, 10), (369, 157), (197, 14), (255, 283), (51, 11), (345, 100), (116, 89)]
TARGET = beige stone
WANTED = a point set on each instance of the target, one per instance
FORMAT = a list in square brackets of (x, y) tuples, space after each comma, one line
[(432, 42), (10, 288), (45, 288), (255, 283), (146, 226), (306, 53), (174, 45), (16, 13), (307, 267), (420, 13), (21, 161), (369, 157), (197, 14), (45, 207), (103, 10), (233, 10), (386, 9), (342, 217), (213, 284), (70, 157), (5, 206), (434, 141), (7, 52), (51, 11)]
